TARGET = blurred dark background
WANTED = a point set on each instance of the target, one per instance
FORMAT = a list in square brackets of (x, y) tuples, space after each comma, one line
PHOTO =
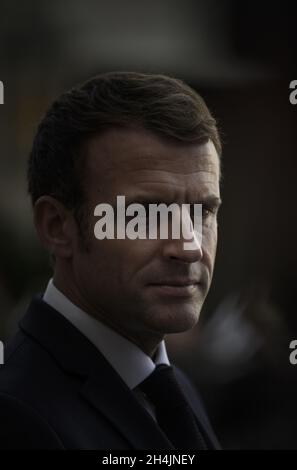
[(241, 56)]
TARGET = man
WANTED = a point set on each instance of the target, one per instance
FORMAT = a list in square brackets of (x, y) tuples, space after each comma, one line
[(78, 374)]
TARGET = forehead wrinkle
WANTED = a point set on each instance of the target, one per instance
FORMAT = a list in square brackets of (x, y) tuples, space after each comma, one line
[(211, 170), (139, 168), (162, 183), (171, 180), (204, 186)]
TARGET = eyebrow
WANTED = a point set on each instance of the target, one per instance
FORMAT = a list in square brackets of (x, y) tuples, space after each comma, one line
[(214, 201)]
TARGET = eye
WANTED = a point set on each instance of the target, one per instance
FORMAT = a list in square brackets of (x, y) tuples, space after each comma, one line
[(206, 211)]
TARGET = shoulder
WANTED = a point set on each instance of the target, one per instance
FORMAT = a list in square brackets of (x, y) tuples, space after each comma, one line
[(30, 380), (25, 362), (22, 427)]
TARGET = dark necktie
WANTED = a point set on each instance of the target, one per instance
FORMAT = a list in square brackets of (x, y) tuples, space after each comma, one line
[(174, 415)]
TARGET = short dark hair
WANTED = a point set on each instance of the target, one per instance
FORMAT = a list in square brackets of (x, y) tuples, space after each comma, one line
[(161, 104)]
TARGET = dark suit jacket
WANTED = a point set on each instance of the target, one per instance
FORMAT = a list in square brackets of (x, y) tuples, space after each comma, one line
[(58, 392)]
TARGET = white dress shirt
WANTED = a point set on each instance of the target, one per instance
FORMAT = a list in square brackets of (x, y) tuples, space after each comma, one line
[(128, 360)]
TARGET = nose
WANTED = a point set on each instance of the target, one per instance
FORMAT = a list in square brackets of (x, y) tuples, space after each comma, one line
[(188, 247)]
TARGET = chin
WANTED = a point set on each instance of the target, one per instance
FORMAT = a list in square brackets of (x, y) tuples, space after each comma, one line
[(177, 320)]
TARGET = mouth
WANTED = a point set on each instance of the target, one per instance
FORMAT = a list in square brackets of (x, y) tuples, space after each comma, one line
[(177, 287)]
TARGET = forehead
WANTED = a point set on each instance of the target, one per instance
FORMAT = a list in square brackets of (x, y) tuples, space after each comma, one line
[(124, 161)]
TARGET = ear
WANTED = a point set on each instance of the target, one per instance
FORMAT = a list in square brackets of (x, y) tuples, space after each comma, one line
[(55, 226)]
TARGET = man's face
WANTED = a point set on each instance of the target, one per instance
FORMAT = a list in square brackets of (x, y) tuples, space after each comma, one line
[(146, 287)]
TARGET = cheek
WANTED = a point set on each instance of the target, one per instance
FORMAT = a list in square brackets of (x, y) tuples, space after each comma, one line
[(135, 256), (118, 261), (209, 243)]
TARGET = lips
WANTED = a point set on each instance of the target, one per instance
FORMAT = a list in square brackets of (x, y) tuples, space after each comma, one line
[(180, 282), (176, 287)]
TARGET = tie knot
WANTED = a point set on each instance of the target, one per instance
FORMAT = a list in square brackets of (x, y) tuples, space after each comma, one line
[(161, 385), (173, 412)]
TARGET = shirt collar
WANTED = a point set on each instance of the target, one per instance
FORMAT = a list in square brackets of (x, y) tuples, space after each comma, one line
[(129, 361)]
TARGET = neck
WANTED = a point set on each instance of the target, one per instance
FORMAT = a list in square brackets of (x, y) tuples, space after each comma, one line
[(148, 342)]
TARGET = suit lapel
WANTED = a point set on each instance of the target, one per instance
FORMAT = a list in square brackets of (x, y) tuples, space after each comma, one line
[(102, 387), (198, 410), (121, 407)]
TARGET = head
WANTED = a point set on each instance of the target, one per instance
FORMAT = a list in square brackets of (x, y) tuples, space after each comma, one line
[(152, 139)]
